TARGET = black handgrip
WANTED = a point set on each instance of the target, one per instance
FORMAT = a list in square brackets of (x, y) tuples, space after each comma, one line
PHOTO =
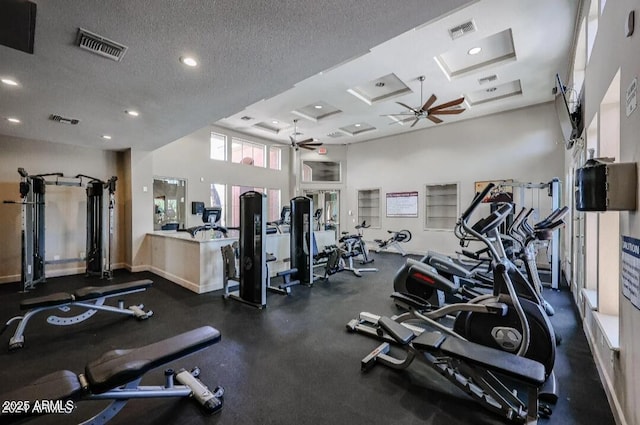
[(476, 201)]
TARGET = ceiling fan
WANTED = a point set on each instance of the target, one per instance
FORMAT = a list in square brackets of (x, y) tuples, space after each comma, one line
[(428, 111), (308, 144)]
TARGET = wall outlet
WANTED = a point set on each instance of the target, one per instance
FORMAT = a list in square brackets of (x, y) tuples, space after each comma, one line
[(82, 256), (56, 257)]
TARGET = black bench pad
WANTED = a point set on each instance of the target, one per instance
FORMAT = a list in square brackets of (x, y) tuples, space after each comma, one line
[(83, 294), (510, 365), (118, 367), (59, 385), (59, 298), (91, 292)]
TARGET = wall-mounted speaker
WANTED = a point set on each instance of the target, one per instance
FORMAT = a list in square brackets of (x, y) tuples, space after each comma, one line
[(18, 24)]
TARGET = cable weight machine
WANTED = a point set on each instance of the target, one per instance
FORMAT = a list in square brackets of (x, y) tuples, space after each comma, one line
[(99, 228)]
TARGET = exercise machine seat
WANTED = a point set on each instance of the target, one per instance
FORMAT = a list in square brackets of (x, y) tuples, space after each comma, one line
[(510, 365), (59, 385), (118, 367), (59, 298), (91, 292), (84, 294)]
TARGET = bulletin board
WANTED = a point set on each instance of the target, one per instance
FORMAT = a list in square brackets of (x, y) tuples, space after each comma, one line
[(402, 204), (630, 269)]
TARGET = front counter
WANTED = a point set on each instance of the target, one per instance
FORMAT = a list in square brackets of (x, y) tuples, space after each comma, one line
[(196, 263)]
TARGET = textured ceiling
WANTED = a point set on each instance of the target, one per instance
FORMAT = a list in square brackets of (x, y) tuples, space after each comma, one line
[(248, 51)]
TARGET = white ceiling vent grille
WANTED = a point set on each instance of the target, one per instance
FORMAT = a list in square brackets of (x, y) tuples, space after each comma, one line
[(100, 45), (488, 79), (462, 29), (63, 120)]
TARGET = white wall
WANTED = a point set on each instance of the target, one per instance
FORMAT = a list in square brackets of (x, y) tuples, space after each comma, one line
[(613, 51), (519, 145), (189, 158)]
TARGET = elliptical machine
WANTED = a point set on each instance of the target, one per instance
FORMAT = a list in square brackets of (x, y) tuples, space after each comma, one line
[(503, 320)]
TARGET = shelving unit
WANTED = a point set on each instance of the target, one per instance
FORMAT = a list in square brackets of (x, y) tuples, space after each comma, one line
[(369, 207), (441, 206)]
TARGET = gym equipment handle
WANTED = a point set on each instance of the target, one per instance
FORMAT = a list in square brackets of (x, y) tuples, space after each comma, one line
[(476, 201)]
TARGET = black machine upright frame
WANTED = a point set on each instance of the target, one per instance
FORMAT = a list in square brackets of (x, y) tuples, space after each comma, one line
[(99, 228)]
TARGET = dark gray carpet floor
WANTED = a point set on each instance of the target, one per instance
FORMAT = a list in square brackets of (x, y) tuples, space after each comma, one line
[(292, 363)]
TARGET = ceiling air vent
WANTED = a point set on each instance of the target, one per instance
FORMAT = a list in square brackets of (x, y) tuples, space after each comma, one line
[(63, 120), (100, 45), (488, 79), (462, 29)]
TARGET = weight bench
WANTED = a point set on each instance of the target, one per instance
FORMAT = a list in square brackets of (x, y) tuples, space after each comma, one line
[(90, 298), (115, 376), (490, 376)]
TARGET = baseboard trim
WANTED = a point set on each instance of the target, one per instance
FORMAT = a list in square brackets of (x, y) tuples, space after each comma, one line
[(193, 287)]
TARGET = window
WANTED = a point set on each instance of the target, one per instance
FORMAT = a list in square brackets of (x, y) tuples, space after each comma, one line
[(369, 207), (273, 204), (441, 206), (218, 199), (218, 146), (275, 158), (320, 171), (245, 152), (236, 191)]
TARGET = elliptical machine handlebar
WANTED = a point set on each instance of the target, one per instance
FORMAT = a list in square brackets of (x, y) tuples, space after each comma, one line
[(476, 201)]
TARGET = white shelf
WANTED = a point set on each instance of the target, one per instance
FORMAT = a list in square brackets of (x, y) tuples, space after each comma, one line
[(441, 206)]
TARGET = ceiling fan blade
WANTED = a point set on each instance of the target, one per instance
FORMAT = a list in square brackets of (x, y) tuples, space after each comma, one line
[(434, 119), (307, 148), (407, 106), (305, 141), (311, 144), (448, 104), (415, 122), (448, 112), (429, 102), (293, 141)]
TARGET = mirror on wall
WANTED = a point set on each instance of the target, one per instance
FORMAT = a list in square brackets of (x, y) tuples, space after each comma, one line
[(320, 171), (169, 203)]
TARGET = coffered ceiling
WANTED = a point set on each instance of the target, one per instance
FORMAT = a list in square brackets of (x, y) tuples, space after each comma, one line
[(337, 67)]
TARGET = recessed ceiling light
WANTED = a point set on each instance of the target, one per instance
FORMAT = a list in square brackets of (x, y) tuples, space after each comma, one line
[(14, 120), (189, 61), (106, 137), (318, 106), (132, 112), (474, 50), (274, 122), (9, 82), (358, 125)]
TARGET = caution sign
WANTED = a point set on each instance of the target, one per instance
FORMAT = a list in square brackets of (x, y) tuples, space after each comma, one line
[(630, 269)]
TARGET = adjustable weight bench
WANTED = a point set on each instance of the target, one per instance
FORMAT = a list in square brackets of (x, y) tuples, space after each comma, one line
[(90, 298), (490, 376), (115, 376)]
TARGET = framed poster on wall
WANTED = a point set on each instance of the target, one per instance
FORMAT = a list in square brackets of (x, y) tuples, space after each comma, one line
[(503, 192), (402, 204)]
